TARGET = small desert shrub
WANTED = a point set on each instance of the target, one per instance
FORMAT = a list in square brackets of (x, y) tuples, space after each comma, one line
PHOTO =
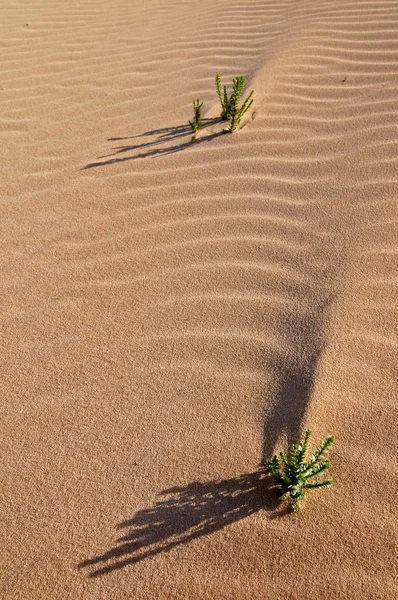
[(296, 472), (231, 111), (224, 98), (195, 123)]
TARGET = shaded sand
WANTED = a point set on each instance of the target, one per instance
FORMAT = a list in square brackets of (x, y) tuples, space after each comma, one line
[(171, 313)]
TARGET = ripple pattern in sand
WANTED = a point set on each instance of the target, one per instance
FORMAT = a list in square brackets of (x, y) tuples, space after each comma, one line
[(236, 288)]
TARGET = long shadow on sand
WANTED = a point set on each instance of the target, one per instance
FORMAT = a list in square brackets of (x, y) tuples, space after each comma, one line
[(201, 508), (185, 514), (290, 402), (161, 142), (290, 405)]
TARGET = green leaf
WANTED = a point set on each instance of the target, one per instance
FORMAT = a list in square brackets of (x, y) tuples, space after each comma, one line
[(320, 451), (318, 468), (318, 484), (304, 446)]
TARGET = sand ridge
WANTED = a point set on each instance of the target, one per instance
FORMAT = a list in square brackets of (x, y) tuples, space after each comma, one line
[(171, 313)]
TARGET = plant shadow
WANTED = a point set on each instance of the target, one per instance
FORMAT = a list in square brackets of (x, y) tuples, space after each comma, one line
[(184, 514), (168, 140)]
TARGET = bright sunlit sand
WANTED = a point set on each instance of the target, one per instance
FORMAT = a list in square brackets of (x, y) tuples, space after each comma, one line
[(172, 314)]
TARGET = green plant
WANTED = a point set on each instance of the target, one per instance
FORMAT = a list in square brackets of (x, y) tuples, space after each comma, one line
[(296, 472), (224, 99), (235, 112), (231, 111), (195, 123)]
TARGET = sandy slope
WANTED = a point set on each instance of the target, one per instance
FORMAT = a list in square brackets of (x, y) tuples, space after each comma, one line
[(173, 312)]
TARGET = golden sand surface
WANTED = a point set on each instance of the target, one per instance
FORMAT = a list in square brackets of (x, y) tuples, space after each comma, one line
[(172, 313)]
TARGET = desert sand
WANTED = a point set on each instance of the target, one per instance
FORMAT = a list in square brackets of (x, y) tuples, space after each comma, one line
[(174, 313)]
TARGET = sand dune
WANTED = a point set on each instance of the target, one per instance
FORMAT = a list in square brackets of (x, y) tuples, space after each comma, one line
[(173, 313)]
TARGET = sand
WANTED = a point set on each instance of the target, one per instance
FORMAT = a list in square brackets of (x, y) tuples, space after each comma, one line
[(173, 313)]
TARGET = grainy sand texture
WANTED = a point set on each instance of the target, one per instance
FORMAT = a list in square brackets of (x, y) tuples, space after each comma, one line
[(174, 313)]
